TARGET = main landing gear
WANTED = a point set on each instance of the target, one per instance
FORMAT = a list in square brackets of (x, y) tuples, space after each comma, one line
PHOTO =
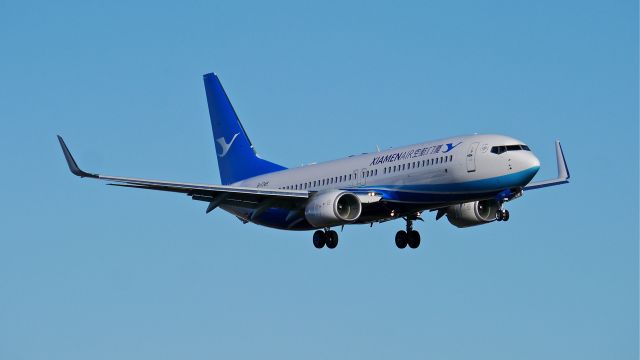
[(409, 237), (326, 237)]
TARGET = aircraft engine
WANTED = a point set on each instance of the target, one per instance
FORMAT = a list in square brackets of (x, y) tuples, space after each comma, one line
[(331, 208), (472, 213)]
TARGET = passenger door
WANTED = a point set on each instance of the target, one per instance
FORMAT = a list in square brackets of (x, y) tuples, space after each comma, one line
[(471, 157)]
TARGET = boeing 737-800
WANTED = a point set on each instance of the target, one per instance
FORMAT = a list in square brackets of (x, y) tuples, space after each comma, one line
[(467, 178)]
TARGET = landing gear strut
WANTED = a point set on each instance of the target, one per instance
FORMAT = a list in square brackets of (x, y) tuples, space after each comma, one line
[(408, 237), (326, 237)]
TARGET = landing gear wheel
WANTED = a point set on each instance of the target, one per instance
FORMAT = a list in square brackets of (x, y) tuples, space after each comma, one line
[(413, 239), (401, 239), (505, 215), (319, 239), (499, 215), (332, 239)]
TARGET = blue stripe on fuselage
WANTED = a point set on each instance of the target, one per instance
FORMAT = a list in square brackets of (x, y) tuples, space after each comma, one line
[(419, 194), (452, 191)]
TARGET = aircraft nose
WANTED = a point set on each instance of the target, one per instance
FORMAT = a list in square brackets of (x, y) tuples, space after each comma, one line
[(527, 162), (532, 161)]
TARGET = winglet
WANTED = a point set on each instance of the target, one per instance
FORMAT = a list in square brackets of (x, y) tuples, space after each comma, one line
[(73, 166), (563, 172), (563, 169)]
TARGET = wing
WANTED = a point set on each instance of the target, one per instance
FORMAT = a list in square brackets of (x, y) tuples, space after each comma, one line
[(214, 194), (563, 172)]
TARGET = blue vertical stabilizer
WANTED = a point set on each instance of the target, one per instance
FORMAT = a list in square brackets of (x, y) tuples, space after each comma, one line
[(237, 160)]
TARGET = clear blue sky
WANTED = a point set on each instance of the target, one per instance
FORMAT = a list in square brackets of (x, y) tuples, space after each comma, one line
[(94, 272)]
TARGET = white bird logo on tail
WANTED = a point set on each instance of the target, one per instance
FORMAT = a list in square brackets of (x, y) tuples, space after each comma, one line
[(223, 144)]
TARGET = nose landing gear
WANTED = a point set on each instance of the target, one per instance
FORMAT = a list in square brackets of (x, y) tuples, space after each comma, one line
[(502, 215), (506, 195)]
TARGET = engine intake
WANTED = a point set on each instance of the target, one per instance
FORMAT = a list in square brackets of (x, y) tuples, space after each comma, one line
[(331, 208), (472, 213)]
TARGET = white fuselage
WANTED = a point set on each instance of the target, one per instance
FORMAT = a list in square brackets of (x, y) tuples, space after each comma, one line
[(425, 175)]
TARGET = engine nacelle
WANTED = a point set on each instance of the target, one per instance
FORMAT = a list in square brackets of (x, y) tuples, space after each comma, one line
[(332, 208), (472, 213)]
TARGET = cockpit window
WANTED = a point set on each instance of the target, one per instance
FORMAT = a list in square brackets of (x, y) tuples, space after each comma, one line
[(505, 148)]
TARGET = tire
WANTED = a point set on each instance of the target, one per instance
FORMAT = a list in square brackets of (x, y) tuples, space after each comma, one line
[(413, 239), (319, 239), (499, 215), (505, 216), (332, 239), (401, 239)]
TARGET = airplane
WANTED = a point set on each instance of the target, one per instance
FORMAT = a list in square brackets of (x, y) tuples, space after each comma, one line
[(467, 178)]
